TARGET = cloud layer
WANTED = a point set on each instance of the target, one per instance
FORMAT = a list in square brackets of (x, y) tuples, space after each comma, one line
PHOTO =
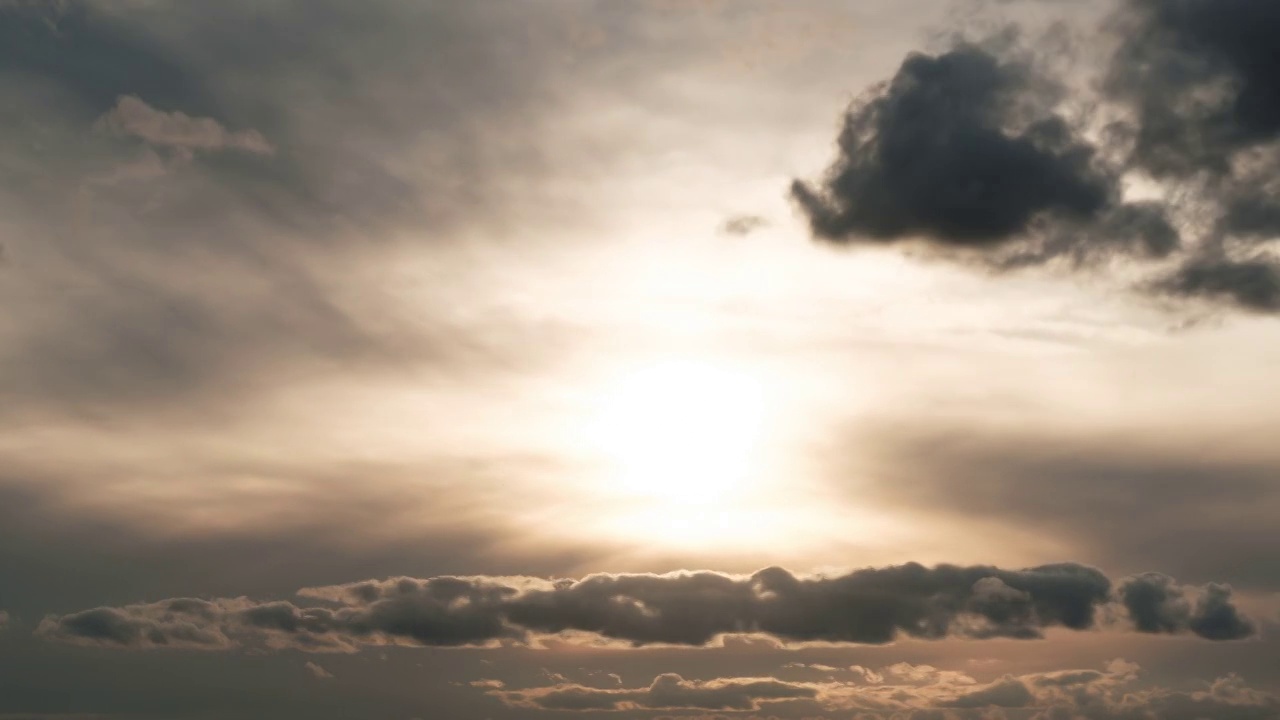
[(871, 606), (921, 692)]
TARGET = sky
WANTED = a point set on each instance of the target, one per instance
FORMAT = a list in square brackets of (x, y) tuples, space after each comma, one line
[(682, 359)]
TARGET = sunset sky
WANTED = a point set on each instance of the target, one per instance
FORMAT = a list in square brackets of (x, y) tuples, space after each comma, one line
[(575, 359)]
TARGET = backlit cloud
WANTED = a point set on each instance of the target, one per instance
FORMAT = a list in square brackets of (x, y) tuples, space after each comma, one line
[(872, 606)]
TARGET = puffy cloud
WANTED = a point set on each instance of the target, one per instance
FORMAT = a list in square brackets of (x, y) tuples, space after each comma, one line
[(869, 606), (177, 623), (984, 153), (1157, 604), (945, 151)]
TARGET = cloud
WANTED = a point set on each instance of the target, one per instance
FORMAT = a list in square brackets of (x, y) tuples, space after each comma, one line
[(1252, 283), (870, 606), (1157, 604), (178, 623), (317, 671), (667, 692), (743, 225), (949, 150), (4, 620), (1199, 76), (988, 154), (193, 287), (176, 130), (1107, 694), (1120, 498)]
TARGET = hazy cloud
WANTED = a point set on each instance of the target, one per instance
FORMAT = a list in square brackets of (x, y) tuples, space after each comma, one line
[(743, 225), (1122, 499), (176, 130), (317, 672)]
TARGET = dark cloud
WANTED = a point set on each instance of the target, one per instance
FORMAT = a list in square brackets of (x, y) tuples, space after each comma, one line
[(964, 149), (971, 152), (872, 606), (1253, 284), (1157, 604), (179, 623), (1200, 78), (667, 692)]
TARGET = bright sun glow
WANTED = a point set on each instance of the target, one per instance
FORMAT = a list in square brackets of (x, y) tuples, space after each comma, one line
[(681, 432)]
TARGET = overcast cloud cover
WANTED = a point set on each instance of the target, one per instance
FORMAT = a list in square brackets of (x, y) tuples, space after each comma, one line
[(407, 359)]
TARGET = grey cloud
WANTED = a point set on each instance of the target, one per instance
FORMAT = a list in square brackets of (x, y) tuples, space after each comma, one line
[(1200, 78), (667, 692), (743, 225), (177, 623), (970, 151), (1157, 604), (871, 606), (964, 149), (1253, 283)]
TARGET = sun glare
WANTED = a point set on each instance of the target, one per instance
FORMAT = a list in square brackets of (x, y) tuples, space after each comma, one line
[(680, 432)]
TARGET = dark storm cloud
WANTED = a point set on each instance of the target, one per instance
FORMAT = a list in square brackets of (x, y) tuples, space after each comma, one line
[(971, 151), (871, 606), (667, 692)]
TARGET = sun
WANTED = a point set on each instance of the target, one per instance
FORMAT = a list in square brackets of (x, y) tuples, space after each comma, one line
[(680, 432)]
